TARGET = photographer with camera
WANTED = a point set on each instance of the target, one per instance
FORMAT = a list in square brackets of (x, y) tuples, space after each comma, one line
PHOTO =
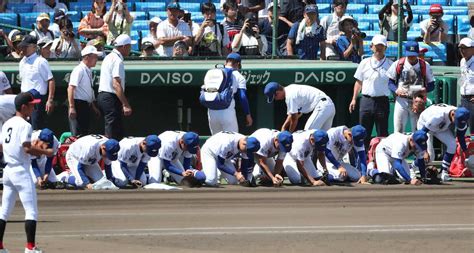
[(350, 45), (208, 37), (248, 41), (434, 29), (388, 20), (65, 46), (283, 28), (118, 19)]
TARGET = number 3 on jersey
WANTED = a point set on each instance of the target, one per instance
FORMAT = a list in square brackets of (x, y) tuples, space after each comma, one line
[(9, 135)]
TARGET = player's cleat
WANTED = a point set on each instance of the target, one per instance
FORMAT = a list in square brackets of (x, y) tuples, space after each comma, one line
[(35, 250), (59, 185), (68, 186), (445, 176), (4, 251)]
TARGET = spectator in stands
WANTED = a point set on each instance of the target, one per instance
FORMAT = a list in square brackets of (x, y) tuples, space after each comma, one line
[(4, 51), (434, 29), (171, 30), (232, 24), (388, 20), (248, 41), (372, 82), (266, 29), (111, 100), (466, 46), (410, 79), (350, 45), (54, 27), (154, 22), (15, 37), (44, 45), (118, 19), (35, 73), (331, 27), (306, 38), (292, 10), (180, 49), (471, 31), (253, 6), (147, 47), (49, 6), (42, 27), (99, 44), (208, 37), (93, 25), (81, 97), (66, 46)]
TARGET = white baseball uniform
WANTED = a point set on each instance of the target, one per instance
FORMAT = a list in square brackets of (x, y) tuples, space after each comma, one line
[(226, 119), (4, 83), (7, 108), (169, 151), (16, 175), (436, 119), (41, 161), (301, 150), (131, 156), (86, 151), (223, 145), (411, 81), (340, 147), (306, 99), (267, 149), (395, 146)]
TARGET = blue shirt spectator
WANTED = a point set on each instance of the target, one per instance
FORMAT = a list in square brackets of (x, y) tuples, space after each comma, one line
[(266, 29), (349, 46)]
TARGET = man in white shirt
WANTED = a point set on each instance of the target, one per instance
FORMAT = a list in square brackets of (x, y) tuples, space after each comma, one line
[(434, 29), (42, 27), (437, 120), (171, 30), (331, 26), (274, 145), (80, 93), (111, 99), (133, 157), (5, 87), (298, 163), (466, 82), (35, 73), (301, 99), (49, 6), (177, 150), (16, 145), (219, 154), (372, 80)]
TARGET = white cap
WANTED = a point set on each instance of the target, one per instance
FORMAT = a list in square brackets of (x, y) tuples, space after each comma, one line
[(468, 42), (44, 42), (379, 39), (123, 40), (156, 20), (90, 50)]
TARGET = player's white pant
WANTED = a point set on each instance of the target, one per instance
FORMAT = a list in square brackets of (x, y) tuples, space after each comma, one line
[(446, 137), (322, 115), (120, 179), (402, 113), (294, 175), (353, 174), (17, 181), (41, 164), (156, 167), (213, 174), (223, 120), (259, 171), (385, 163), (94, 172)]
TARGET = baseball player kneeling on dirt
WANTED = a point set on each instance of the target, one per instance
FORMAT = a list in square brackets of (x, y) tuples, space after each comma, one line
[(133, 157), (177, 149), (83, 159), (219, 158)]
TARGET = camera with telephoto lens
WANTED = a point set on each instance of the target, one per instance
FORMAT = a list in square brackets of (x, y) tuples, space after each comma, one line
[(187, 17), (357, 32)]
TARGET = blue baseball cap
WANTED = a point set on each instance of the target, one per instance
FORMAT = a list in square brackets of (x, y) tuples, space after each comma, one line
[(420, 137), (199, 176), (311, 8), (461, 116), (358, 135), (173, 5), (412, 48), (153, 144), (234, 56), (191, 140), (285, 139), (35, 94), (112, 148), (47, 135), (253, 145), (270, 90), (320, 139)]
